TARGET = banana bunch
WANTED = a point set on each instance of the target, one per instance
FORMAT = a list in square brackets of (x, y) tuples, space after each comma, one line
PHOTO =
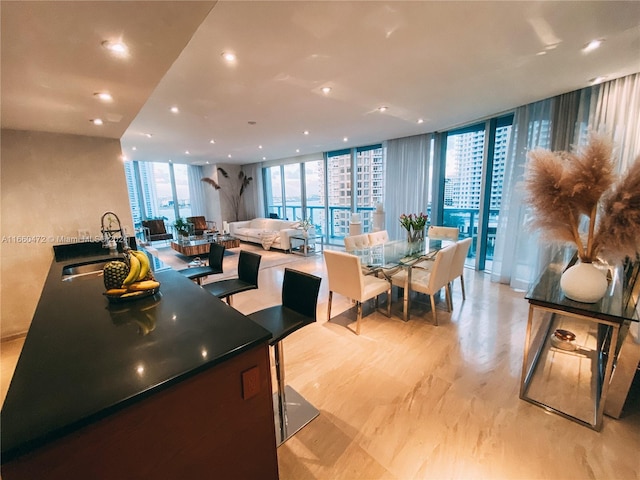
[(138, 280)]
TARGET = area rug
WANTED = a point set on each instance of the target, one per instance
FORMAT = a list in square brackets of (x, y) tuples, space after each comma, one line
[(270, 259)]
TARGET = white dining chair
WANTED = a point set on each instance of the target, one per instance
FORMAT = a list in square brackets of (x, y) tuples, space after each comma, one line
[(356, 242), (430, 281), (457, 266), (443, 233), (345, 278), (378, 238)]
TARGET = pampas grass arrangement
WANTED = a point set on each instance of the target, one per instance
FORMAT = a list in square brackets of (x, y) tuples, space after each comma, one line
[(564, 187)]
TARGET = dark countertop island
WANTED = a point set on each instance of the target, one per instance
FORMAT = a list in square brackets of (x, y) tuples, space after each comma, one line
[(85, 359)]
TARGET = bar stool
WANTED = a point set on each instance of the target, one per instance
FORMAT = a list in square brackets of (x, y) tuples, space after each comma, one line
[(248, 266), (216, 255), (299, 302)]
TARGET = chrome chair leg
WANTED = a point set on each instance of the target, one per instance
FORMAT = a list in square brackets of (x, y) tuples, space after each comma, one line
[(329, 306)]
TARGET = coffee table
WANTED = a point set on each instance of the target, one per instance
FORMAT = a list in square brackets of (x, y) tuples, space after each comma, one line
[(200, 246), (191, 248)]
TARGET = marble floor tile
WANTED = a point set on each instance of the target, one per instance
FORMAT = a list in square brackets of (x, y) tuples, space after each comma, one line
[(409, 400)]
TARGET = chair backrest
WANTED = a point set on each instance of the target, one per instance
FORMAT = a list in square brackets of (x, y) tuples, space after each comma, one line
[(216, 256), (457, 265), (378, 238), (248, 266), (356, 242), (443, 233), (300, 292), (199, 223), (344, 273), (441, 267), (156, 227)]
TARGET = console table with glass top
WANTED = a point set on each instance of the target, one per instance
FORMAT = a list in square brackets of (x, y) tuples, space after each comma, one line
[(571, 378)]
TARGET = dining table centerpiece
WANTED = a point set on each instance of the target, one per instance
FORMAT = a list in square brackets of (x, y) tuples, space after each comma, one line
[(577, 198), (414, 224)]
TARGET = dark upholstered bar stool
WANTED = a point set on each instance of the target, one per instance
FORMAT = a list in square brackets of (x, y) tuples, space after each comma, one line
[(299, 302), (216, 255), (248, 266)]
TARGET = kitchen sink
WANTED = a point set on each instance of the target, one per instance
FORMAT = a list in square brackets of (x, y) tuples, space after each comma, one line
[(86, 269)]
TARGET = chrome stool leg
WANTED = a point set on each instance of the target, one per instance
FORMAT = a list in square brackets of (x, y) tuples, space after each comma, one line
[(291, 410)]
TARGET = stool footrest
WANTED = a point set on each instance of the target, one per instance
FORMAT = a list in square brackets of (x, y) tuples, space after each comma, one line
[(298, 413)]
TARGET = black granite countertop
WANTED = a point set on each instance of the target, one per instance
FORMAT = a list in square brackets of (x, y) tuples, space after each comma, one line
[(85, 358)]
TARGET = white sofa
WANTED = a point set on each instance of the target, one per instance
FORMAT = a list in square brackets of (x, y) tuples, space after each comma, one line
[(260, 229)]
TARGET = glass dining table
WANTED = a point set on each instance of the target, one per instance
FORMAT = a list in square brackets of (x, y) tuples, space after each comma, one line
[(388, 258)]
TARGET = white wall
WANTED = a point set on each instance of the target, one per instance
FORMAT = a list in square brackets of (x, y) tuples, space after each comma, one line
[(51, 186), (212, 197)]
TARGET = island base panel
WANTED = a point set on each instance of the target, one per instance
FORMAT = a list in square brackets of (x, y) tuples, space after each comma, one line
[(198, 428)]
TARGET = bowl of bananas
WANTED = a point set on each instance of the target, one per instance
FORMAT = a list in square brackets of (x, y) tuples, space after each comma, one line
[(129, 279)]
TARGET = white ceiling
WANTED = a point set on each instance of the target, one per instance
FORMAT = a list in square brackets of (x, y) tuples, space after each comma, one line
[(445, 62)]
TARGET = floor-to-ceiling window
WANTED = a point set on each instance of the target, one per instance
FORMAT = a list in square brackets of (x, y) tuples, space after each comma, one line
[(322, 190), (369, 183), (158, 190), (339, 192), (315, 194), (273, 191), (474, 175), (292, 191), (182, 195)]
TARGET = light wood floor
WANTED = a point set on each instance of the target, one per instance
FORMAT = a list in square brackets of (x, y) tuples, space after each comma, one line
[(412, 401)]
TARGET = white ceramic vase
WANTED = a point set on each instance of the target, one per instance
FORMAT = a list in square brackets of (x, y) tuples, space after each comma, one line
[(584, 282)]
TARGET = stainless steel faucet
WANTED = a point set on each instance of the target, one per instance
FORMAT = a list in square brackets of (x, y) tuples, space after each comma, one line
[(110, 232)]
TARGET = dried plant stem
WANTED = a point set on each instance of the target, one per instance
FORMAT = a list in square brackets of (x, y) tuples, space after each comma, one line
[(576, 235), (592, 226)]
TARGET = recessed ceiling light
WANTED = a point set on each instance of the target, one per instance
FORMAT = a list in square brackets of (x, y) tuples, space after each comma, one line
[(326, 90), (212, 141), (124, 158), (597, 80), (103, 96), (118, 49), (420, 120), (382, 109), (229, 56), (229, 156), (148, 135), (207, 163), (97, 121), (174, 110), (592, 45), (541, 53), (297, 150), (306, 132), (345, 139), (186, 152), (134, 148), (260, 147), (264, 158), (170, 161)]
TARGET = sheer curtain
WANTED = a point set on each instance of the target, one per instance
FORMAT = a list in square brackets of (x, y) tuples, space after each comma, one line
[(407, 179), (196, 192), (557, 123), (254, 196)]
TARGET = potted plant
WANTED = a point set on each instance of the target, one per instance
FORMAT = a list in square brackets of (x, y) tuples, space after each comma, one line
[(182, 227), (233, 193), (569, 190)]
